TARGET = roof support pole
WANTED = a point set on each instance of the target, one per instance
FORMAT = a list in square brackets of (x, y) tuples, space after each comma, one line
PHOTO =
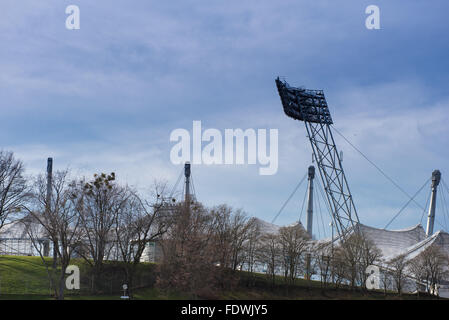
[(187, 181), (310, 201), (48, 210), (436, 176)]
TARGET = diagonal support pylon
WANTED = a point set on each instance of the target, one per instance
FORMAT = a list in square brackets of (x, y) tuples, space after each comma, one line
[(310, 106)]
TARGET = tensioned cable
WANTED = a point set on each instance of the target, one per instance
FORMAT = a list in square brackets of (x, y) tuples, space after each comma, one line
[(176, 185), (444, 196), (436, 220), (302, 207), (321, 217), (443, 205), (427, 181), (379, 169), (326, 203), (183, 190), (318, 210), (317, 223), (425, 209), (318, 206), (445, 185), (440, 203), (315, 217), (324, 200), (289, 198), (193, 186)]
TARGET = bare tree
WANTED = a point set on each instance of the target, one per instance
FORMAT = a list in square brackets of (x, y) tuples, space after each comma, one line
[(103, 200), (339, 269), (386, 279), (352, 257), (270, 255), (397, 268), (323, 262), (141, 222), (241, 227), (13, 187), (350, 253), (417, 269), (251, 245), (430, 266), (370, 255), (221, 216), (232, 230), (293, 241), (57, 220), (188, 262)]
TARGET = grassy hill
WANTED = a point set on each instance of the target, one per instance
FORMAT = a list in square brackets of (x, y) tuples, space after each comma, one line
[(23, 275), (26, 278)]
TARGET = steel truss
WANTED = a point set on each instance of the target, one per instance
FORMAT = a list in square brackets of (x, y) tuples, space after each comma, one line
[(311, 107), (333, 177)]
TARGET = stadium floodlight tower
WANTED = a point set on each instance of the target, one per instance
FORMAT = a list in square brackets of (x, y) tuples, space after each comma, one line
[(310, 106)]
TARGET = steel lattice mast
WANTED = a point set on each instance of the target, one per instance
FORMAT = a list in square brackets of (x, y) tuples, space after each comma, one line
[(311, 107)]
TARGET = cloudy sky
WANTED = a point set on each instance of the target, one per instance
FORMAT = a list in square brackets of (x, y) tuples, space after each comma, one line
[(106, 97)]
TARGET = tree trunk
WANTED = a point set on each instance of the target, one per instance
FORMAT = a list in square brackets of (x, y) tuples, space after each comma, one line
[(62, 281)]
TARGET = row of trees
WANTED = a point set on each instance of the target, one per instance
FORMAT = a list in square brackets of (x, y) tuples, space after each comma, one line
[(205, 246), (210, 243), (92, 219), (100, 219), (428, 269), (95, 220), (349, 261)]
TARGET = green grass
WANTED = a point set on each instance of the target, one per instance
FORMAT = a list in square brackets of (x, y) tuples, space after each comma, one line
[(25, 278), (23, 275)]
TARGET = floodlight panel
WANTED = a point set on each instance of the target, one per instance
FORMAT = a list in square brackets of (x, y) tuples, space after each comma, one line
[(303, 104)]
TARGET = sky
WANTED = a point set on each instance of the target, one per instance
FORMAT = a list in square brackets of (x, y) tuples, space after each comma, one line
[(107, 96)]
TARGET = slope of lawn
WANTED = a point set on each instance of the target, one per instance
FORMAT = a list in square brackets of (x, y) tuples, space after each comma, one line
[(23, 275), (26, 278)]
